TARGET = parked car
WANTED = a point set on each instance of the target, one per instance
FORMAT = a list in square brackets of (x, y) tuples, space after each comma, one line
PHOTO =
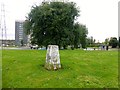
[(34, 46)]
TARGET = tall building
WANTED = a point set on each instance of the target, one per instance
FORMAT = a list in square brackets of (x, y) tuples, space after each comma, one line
[(20, 36)]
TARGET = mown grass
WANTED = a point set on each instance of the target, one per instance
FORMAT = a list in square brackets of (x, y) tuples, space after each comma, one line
[(80, 69), (0, 68)]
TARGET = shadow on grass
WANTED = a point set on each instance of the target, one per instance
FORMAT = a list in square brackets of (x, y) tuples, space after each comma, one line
[(63, 67)]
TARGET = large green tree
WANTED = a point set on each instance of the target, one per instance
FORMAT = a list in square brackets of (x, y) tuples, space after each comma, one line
[(53, 23)]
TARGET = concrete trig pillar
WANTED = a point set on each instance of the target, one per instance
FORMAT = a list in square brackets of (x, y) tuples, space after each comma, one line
[(52, 58)]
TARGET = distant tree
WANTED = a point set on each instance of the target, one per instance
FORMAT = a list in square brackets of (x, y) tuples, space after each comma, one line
[(88, 41), (113, 42), (83, 35), (106, 41), (22, 43), (92, 41), (80, 33), (52, 23)]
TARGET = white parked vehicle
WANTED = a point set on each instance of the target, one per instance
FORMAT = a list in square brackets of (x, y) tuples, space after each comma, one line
[(34, 46)]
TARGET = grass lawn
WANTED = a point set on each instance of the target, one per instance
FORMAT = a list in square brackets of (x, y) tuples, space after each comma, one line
[(0, 69), (80, 69)]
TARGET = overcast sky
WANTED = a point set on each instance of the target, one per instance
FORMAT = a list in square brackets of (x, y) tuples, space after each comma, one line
[(99, 16)]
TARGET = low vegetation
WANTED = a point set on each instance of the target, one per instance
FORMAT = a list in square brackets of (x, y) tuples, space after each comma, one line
[(80, 69)]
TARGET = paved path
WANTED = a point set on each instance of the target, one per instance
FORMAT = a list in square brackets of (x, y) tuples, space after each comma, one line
[(28, 48), (91, 49), (15, 48)]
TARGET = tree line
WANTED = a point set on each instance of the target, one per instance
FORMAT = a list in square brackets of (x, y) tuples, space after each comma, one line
[(112, 41)]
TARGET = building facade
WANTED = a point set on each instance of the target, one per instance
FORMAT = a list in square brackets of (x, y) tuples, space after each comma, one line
[(20, 36)]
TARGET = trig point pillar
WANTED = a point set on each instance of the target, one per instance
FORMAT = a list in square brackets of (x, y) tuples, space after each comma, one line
[(52, 58)]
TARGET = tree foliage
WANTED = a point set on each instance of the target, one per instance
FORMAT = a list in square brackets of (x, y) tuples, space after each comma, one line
[(54, 23), (113, 42), (106, 41), (119, 42), (80, 34)]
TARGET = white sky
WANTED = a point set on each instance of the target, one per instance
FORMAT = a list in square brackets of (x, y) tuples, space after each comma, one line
[(100, 16)]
